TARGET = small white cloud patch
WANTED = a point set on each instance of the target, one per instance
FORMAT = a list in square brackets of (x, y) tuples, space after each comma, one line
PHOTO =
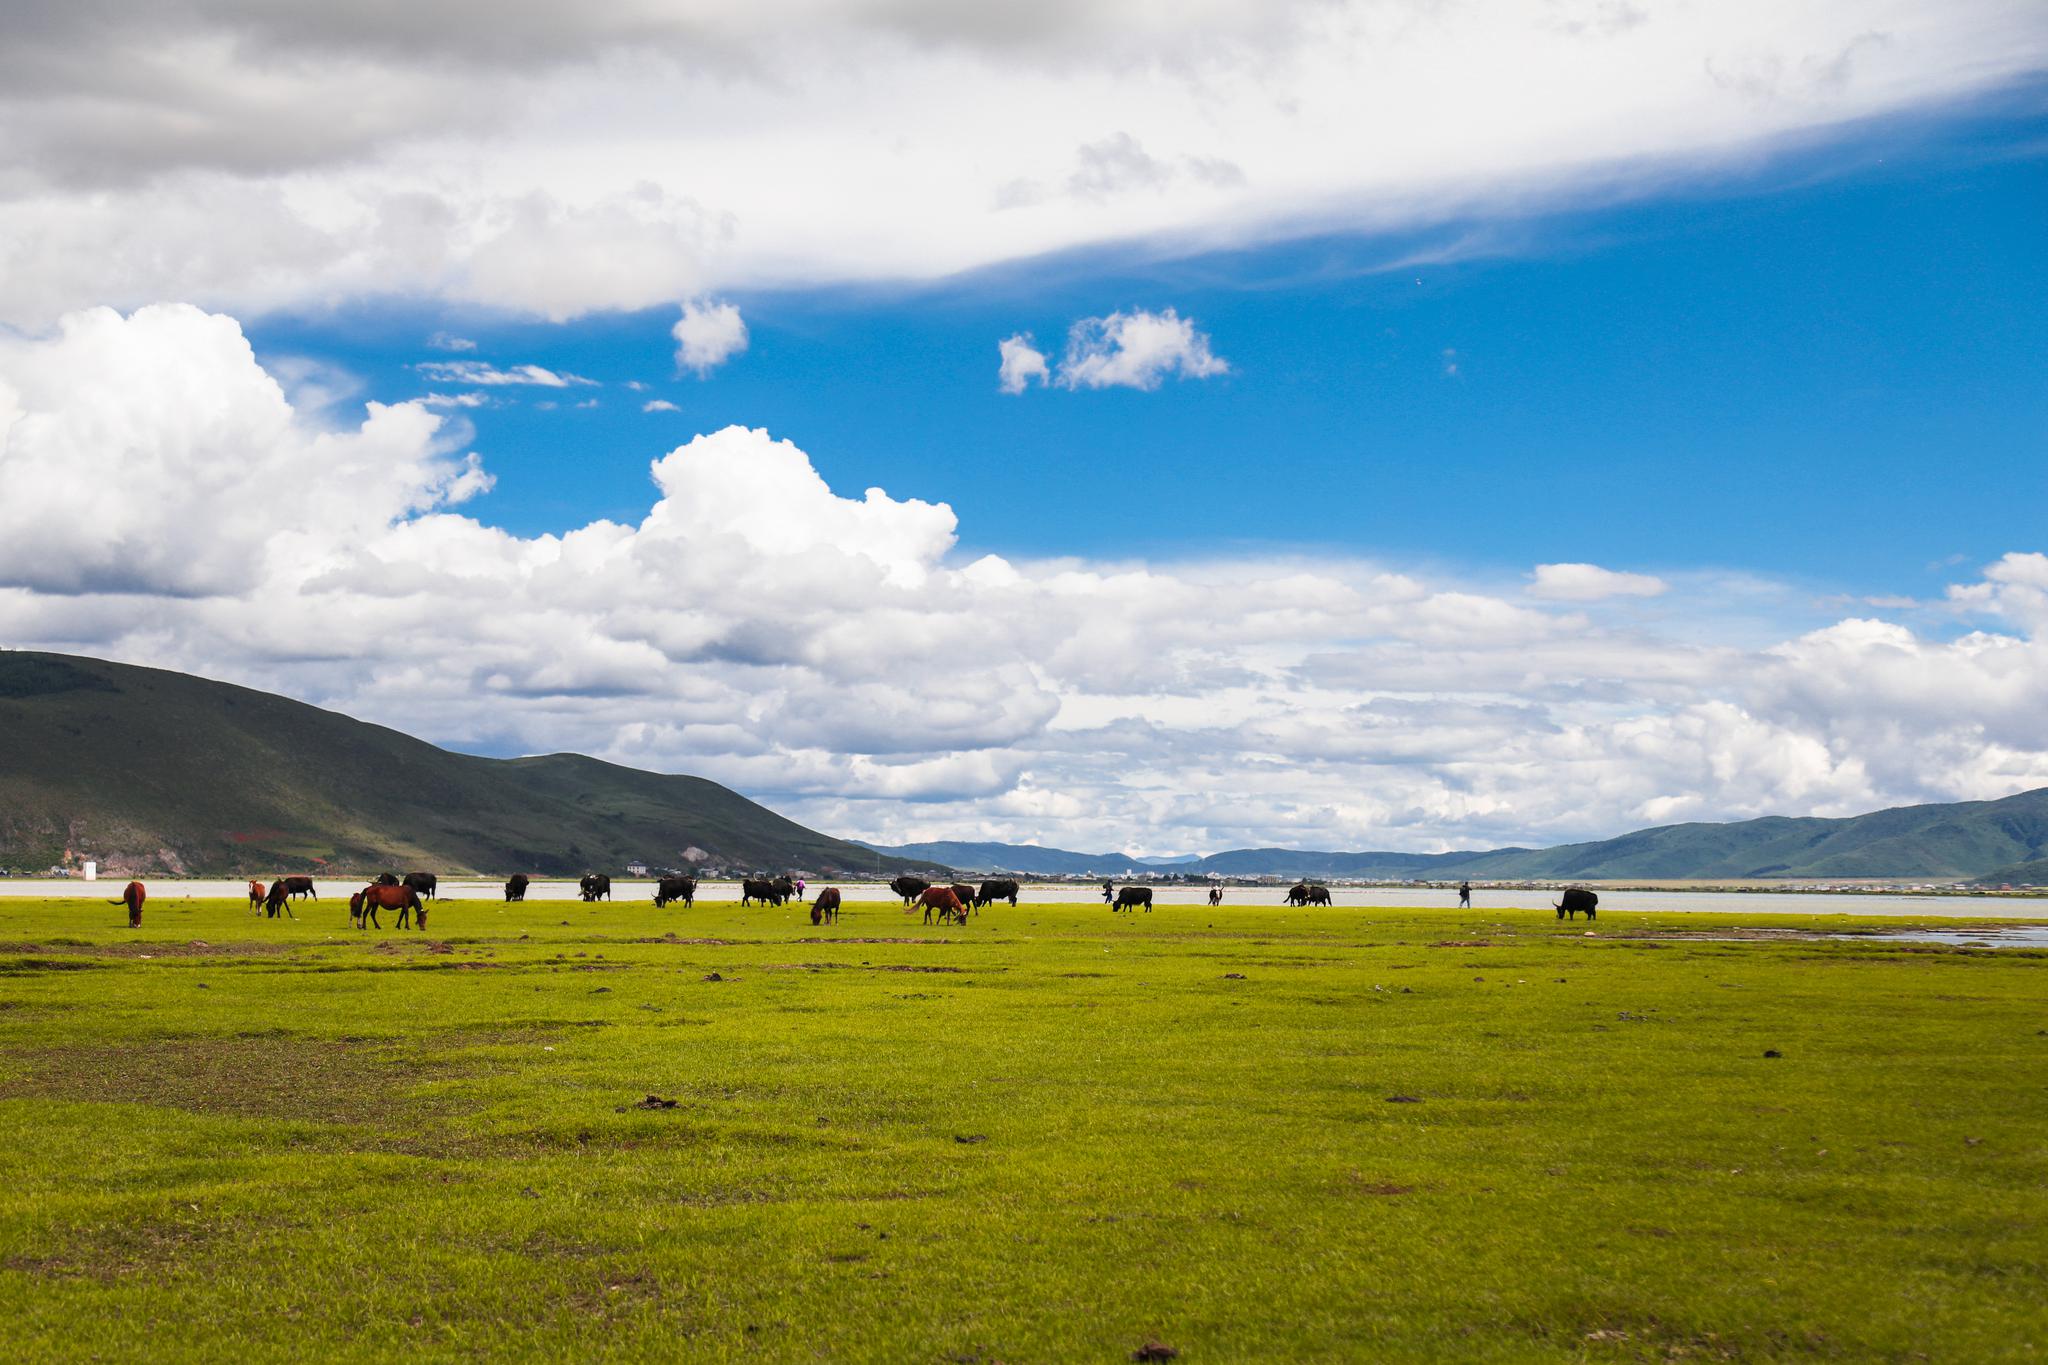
[(1591, 583), (1134, 350), (707, 335), (659, 405), (1023, 363)]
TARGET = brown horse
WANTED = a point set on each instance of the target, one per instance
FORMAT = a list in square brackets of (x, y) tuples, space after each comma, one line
[(403, 899), (277, 901), (825, 909), (257, 891), (132, 896), (942, 899)]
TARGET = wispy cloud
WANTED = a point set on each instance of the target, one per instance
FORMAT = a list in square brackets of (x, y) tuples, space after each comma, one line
[(484, 373), (659, 405)]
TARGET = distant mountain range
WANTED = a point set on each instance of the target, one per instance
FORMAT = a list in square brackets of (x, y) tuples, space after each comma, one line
[(151, 771), (1989, 841)]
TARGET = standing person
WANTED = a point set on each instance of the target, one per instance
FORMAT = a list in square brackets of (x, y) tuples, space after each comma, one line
[(1464, 895), (1108, 891)]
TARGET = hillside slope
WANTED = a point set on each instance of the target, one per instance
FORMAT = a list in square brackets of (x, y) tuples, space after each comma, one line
[(154, 771), (1998, 841)]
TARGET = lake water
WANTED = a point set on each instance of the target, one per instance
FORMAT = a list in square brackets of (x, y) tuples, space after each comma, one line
[(1718, 902)]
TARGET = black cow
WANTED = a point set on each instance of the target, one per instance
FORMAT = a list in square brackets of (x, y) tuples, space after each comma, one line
[(299, 886), (515, 887), (386, 879), (596, 886), (1319, 895), (1576, 899), (682, 889), (991, 892), (1131, 897), (909, 887), (1215, 895), (785, 885), (1297, 894), (424, 884), (762, 890)]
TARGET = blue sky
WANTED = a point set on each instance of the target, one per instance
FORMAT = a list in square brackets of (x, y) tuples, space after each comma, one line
[(1326, 423), (1818, 367)]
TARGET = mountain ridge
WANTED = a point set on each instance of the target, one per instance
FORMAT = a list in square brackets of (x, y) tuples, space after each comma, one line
[(149, 770)]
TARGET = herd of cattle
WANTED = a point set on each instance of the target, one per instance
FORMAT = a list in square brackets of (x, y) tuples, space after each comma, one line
[(408, 895)]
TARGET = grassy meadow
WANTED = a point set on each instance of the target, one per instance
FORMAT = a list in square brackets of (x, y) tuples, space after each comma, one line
[(1054, 1135)]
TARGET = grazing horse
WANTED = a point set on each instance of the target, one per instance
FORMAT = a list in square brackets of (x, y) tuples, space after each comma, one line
[(1576, 899), (257, 891), (132, 896), (682, 889), (1297, 894), (991, 892), (825, 909), (761, 889), (277, 901), (1131, 897), (425, 883), (515, 887), (355, 909), (1215, 895), (910, 888), (377, 896), (596, 886), (942, 899), (964, 892)]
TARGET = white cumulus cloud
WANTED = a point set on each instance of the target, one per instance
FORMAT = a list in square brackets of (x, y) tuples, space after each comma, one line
[(1591, 583), (831, 653), (707, 335), (1134, 350)]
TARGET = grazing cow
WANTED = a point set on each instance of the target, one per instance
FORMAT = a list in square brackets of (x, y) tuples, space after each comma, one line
[(132, 896), (300, 886), (762, 890), (910, 888), (942, 899), (964, 892), (682, 889), (403, 899), (257, 891), (1131, 897), (596, 886), (1297, 894), (426, 883), (1319, 895), (515, 887), (825, 909), (1215, 895), (991, 892), (786, 886), (1576, 899), (277, 901)]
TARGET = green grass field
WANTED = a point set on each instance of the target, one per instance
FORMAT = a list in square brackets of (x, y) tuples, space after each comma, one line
[(1054, 1135)]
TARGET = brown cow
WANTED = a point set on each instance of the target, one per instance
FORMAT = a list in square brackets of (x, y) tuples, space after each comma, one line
[(403, 899), (825, 909), (132, 896), (942, 899), (964, 892), (257, 891)]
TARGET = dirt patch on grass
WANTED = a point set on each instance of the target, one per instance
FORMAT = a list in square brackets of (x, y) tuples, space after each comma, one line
[(864, 967), (265, 1076), (140, 949), (158, 1247)]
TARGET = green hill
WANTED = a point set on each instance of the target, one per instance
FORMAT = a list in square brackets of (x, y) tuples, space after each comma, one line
[(153, 771), (2004, 841)]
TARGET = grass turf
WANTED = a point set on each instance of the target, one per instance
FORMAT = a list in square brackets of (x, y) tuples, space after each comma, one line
[(1245, 1133)]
